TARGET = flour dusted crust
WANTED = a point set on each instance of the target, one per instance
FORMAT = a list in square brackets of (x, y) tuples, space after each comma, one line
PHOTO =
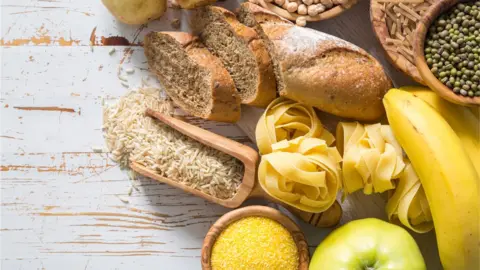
[(328, 73), (304, 44), (321, 70)]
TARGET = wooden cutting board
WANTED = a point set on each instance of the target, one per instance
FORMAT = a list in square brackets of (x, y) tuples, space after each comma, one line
[(356, 205)]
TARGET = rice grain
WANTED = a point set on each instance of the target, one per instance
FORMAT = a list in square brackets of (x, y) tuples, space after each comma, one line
[(130, 134)]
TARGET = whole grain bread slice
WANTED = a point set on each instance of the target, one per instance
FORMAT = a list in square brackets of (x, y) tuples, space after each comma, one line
[(193, 78), (243, 53), (318, 69), (254, 16)]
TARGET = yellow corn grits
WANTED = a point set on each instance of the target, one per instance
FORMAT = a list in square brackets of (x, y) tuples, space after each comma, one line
[(255, 243)]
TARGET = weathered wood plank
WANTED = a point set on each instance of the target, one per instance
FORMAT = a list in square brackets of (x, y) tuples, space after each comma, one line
[(51, 95), (61, 203)]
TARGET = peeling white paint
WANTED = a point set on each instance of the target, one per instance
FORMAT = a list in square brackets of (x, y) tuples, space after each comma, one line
[(59, 197)]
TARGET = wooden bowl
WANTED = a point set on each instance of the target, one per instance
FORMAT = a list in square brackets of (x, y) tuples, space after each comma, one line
[(418, 47), (259, 211), (379, 25), (248, 156), (380, 29), (333, 12)]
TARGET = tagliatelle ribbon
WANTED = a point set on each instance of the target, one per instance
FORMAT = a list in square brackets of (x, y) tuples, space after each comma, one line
[(285, 119), (303, 172), (408, 204), (371, 157)]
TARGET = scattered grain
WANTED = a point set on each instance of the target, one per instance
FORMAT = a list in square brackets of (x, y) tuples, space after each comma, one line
[(97, 149), (175, 23), (124, 84), (124, 200)]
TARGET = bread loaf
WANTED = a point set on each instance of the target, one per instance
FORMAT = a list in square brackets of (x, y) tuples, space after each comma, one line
[(243, 53), (321, 70), (193, 78)]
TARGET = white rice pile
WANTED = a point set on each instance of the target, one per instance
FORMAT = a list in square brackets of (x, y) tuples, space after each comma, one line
[(130, 134)]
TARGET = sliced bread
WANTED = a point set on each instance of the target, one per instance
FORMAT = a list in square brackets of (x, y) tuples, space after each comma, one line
[(243, 53), (255, 16), (193, 78), (320, 70)]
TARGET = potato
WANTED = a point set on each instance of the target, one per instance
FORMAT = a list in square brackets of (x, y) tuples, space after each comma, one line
[(136, 11), (191, 4)]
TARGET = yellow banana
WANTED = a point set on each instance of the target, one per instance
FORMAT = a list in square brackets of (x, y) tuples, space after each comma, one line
[(446, 173), (476, 111), (463, 120)]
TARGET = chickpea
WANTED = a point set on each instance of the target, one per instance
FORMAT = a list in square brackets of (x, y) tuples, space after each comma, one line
[(302, 9), (307, 2), (327, 3), (321, 8), (292, 7), (312, 10), (301, 21)]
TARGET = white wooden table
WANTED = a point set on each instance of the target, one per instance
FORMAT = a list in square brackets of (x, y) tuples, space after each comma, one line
[(61, 203)]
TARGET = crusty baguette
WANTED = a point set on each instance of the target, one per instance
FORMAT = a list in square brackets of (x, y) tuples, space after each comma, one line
[(243, 53), (321, 70), (194, 78)]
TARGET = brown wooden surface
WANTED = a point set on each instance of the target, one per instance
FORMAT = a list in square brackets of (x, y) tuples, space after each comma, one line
[(249, 211), (379, 25), (418, 47), (330, 218), (326, 219)]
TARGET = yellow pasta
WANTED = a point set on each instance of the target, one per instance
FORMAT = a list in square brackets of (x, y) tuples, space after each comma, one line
[(408, 204), (371, 157), (303, 172), (285, 119)]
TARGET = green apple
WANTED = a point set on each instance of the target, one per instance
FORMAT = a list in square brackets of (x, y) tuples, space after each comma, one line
[(368, 244)]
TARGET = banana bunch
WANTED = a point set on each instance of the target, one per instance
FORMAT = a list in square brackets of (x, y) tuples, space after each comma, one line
[(441, 141), (465, 121)]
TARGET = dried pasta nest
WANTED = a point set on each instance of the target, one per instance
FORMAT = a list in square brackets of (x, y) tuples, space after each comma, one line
[(394, 23), (303, 11)]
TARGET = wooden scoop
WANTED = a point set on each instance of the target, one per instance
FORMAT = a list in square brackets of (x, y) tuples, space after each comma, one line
[(248, 188)]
